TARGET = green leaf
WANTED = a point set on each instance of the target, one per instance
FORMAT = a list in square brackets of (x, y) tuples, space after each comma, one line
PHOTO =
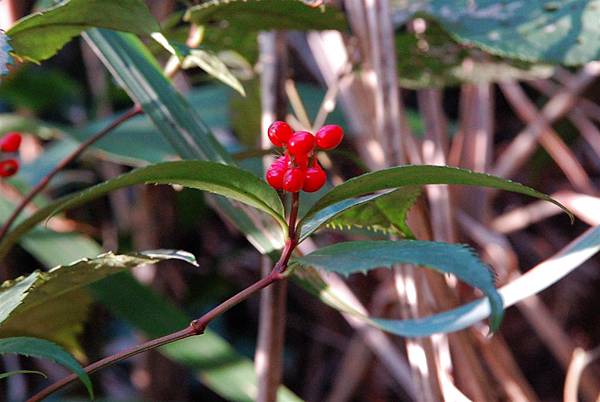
[(40, 35), (563, 32), (44, 349), (15, 372), (417, 175), (386, 213), (264, 15), (54, 304), (205, 59), (360, 256), (216, 178), (179, 123), (533, 282), (433, 59)]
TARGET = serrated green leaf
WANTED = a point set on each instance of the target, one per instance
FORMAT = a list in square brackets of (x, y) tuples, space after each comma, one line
[(562, 32), (533, 282), (264, 15), (41, 348), (216, 178), (386, 213), (202, 58), (40, 35), (15, 372), (457, 259), (54, 304), (418, 175)]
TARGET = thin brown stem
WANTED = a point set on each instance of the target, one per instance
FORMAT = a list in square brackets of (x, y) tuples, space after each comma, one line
[(41, 185), (110, 360), (198, 326)]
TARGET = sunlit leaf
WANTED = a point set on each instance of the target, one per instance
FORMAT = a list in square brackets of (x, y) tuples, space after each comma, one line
[(40, 35), (264, 15), (54, 304), (382, 212)]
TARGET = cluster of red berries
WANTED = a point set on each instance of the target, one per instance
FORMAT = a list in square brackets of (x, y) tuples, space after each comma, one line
[(298, 169), (10, 143)]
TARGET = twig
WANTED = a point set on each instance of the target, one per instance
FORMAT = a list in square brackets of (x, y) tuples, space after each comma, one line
[(328, 103), (62, 164), (198, 326)]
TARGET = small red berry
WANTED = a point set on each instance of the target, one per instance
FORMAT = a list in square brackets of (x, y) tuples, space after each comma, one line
[(293, 179), (301, 161), (301, 142), (8, 167), (329, 137), (10, 142), (282, 162), (279, 133), (274, 176), (314, 179)]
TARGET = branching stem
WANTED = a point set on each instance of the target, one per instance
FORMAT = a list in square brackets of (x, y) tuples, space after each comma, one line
[(198, 326), (41, 185)]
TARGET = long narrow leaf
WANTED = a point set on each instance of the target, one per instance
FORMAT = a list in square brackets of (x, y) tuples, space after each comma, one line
[(534, 281), (418, 175), (44, 349), (216, 178), (360, 256)]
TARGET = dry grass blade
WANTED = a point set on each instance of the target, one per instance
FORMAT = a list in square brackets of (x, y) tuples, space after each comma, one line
[(585, 207), (580, 360), (524, 144), (548, 138), (578, 115)]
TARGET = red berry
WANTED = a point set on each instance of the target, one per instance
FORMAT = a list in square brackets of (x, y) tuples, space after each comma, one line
[(329, 137), (10, 142), (293, 179), (301, 142), (279, 133), (275, 174), (8, 167), (282, 162), (301, 161), (314, 179)]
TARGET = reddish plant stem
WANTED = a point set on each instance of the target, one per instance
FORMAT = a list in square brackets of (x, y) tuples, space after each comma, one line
[(66, 161), (198, 326)]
